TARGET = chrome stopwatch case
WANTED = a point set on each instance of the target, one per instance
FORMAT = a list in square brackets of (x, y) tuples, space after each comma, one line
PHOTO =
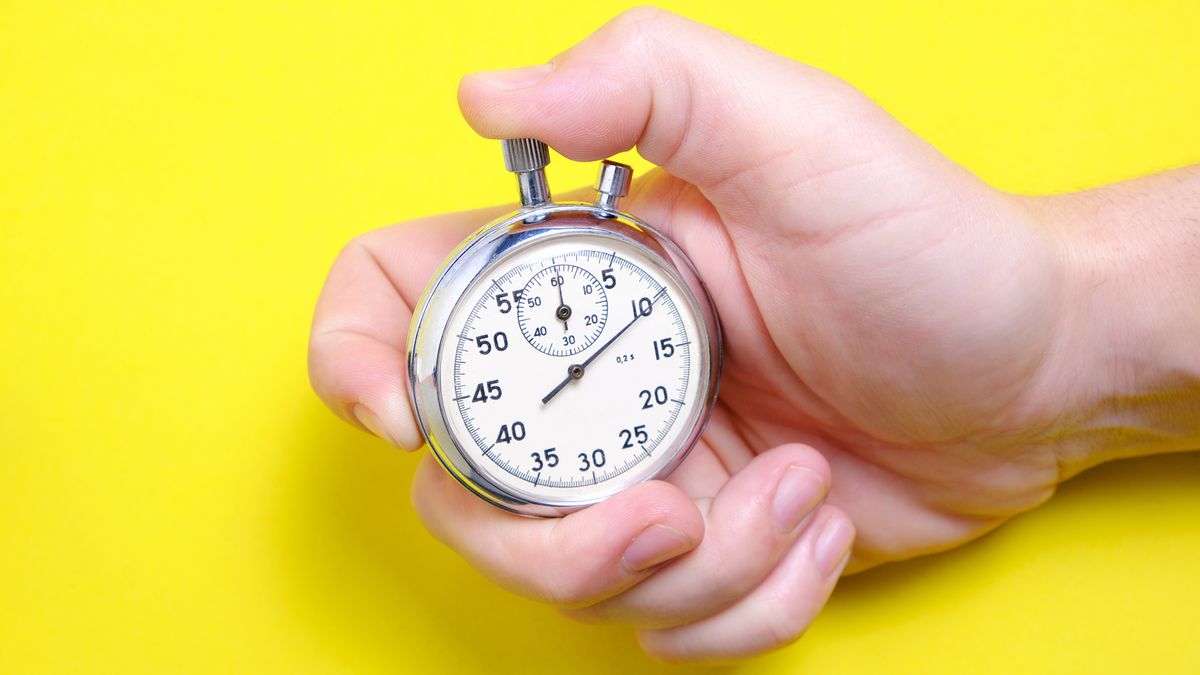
[(563, 352)]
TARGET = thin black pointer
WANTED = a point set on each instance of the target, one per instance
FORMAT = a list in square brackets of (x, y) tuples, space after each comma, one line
[(562, 303), (571, 372)]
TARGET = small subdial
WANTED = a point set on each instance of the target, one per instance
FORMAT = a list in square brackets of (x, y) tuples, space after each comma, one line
[(562, 310)]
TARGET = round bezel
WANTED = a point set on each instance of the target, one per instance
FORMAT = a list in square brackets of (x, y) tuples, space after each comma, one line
[(491, 246)]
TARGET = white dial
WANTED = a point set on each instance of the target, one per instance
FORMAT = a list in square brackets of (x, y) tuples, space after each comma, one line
[(565, 351), (571, 368)]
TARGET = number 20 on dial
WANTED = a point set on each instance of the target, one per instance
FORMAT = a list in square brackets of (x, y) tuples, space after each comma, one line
[(563, 352)]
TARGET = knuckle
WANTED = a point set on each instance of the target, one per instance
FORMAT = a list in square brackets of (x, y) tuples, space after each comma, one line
[(353, 255), (638, 17), (645, 27), (583, 615), (786, 620), (353, 249), (364, 246), (569, 591)]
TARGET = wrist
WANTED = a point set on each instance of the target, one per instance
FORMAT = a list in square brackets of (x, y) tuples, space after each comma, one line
[(1130, 335)]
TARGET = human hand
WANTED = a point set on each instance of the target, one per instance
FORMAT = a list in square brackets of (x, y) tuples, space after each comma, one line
[(896, 336)]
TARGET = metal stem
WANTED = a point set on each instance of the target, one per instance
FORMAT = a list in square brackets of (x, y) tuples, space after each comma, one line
[(535, 191)]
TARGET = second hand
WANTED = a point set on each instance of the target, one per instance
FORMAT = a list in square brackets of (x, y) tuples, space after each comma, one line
[(576, 371)]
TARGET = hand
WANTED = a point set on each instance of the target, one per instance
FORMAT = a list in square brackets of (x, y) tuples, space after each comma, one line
[(902, 348)]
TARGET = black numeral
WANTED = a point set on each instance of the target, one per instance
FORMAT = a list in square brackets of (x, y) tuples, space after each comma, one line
[(663, 349), (596, 459), (547, 457), (568, 340), (500, 340), (503, 302), (487, 391), (535, 301), (556, 280), (511, 432), (539, 331), (609, 280), (591, 320), (628, 435), (659, 396), (642, 307)]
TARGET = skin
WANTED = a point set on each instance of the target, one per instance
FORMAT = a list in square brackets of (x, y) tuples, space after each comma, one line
[(917, 356)]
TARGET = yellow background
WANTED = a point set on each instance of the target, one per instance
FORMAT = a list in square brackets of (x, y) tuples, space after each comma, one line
[(174, 181)]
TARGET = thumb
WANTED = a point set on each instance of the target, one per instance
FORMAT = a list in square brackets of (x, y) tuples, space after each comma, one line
[(744, 125)]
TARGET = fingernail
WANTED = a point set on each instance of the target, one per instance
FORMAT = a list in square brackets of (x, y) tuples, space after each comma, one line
[(798, 493), (371, 421), (656, 544), (517, 78), (833, 545)]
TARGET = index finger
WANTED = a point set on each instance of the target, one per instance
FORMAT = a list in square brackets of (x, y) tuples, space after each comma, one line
[(356, 353)]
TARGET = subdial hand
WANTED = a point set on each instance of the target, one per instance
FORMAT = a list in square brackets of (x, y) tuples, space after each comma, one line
[(563, 312)]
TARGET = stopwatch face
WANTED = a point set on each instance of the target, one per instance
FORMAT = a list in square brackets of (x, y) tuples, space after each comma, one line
[(573, 365)]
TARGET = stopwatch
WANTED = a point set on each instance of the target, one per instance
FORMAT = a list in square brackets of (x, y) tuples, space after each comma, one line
[(563, 352)]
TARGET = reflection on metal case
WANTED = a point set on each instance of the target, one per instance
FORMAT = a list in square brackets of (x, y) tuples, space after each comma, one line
[(563, 352)]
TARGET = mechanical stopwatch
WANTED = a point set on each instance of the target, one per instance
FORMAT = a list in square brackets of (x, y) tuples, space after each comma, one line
[(563, 352)]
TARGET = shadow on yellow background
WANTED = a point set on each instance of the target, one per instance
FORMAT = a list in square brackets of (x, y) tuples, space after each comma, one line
[(176, 179)]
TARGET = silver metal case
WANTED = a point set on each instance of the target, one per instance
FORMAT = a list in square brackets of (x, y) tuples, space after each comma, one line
[(473, 260)]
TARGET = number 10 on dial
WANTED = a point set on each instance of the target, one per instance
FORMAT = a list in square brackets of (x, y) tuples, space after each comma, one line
[(563, 352)]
